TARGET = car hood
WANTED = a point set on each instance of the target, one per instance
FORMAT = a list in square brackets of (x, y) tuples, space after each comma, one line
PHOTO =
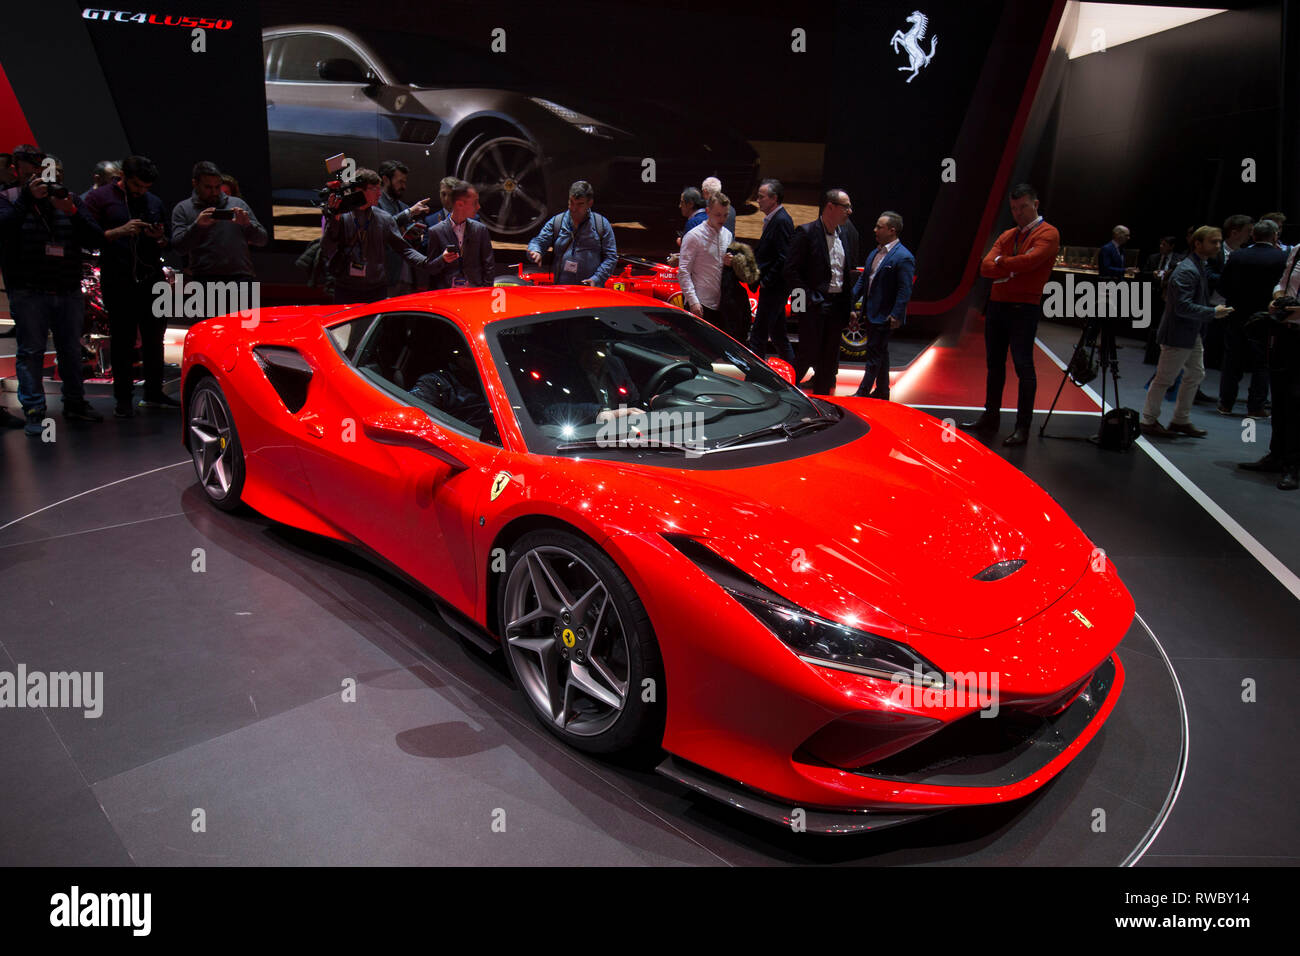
[(898, 522)]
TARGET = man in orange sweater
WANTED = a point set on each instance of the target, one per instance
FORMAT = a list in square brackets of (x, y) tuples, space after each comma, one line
[(1020, 263)]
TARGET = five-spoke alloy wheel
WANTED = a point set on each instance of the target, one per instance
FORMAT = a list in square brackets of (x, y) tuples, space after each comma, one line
[(579, 644), (214, 445)]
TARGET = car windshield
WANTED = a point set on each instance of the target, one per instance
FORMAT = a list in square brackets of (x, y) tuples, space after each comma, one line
[(601, 382)]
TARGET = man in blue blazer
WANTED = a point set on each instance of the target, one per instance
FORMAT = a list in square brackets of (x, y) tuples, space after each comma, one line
[(1110, 258), (884, 288), (460, 247)]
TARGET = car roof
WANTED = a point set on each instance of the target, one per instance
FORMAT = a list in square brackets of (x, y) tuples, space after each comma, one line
[(475, 309)]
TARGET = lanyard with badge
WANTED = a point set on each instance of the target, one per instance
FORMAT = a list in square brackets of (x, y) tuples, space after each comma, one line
[(357, 251)]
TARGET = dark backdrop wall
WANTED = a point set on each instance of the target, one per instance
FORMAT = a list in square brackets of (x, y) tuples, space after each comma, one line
[(1152, 133), (122, 86)]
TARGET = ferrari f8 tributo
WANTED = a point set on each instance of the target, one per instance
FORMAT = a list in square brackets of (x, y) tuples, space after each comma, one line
[(832, 611)]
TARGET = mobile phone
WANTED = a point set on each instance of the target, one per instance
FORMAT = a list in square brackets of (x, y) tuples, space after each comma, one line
[(226, 214), (452, 249)]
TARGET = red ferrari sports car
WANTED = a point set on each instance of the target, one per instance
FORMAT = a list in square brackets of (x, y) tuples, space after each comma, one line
[(834, 614)]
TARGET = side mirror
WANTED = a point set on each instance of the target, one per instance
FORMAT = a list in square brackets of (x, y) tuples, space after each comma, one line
[(782, 368), (411, 428), (342, 70)]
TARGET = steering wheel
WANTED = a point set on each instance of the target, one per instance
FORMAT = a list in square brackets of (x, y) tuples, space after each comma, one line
[(658, 379)]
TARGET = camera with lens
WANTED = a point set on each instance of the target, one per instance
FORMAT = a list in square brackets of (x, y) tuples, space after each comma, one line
[(340, 197), (1286, 302), (57, 191)]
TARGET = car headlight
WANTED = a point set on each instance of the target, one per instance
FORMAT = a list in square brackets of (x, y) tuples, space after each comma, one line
[(819, 641), (815, 639), (580, 121)]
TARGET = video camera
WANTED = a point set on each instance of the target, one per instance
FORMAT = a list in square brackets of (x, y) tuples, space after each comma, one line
[(338, 196)]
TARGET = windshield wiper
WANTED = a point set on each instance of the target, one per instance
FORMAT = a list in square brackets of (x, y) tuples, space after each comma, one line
[(789, 431), (632, 443)]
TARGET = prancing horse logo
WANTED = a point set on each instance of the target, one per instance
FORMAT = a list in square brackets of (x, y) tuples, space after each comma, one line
[(499, 484), (911, 41)]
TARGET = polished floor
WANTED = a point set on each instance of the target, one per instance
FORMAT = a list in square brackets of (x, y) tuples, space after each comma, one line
[(224, 692)]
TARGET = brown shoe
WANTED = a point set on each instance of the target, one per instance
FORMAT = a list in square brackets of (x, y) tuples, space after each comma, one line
[(1155, 430), (1187, 429)]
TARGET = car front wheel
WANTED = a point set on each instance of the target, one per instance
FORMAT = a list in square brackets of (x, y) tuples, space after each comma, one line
[(579, 644)]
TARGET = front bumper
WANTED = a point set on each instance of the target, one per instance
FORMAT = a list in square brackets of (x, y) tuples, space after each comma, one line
[(743, 707)]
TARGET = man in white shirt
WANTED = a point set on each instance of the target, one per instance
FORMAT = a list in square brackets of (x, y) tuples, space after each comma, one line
[(704, 255)]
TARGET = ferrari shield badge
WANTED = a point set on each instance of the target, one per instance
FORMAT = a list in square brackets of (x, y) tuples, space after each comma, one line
[(1083, 620), (499, 484)]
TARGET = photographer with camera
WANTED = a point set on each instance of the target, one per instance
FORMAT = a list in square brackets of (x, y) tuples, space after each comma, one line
[(214, 231), (42, 233), (128, 269), (354, 238), (1279, 328)]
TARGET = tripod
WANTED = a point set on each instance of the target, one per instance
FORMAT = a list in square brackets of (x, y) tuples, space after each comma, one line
[(1096, 351)]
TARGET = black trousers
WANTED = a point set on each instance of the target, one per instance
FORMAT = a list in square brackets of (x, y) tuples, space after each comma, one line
[(769, 324), (819, 345), (1242, 354), (1285, 443), (130, 309), (875, 377), (1011, 325)]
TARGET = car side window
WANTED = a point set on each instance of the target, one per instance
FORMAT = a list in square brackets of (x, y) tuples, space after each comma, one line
[(425, 362), (268, 49), (348, 336), (303, 51)]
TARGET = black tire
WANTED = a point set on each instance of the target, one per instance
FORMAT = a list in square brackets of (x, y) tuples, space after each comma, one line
[(589, 725), (214, 445)]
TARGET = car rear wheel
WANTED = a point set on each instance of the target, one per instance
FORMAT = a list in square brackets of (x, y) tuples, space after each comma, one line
[(507, 173), (214, 445), (579, 644)]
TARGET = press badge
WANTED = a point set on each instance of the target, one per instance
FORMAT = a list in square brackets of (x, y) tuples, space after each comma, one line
[(571, 265), (357, 270), (54, 249)]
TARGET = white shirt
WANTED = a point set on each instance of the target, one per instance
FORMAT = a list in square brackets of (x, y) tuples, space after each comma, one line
[(880, 258), (459, 229), (835, 250), (699, 268), (1291, 276)]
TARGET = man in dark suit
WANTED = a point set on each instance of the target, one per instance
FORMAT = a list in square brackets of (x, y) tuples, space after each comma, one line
[(818, 272), (465, 244), (885, 287), (1247, 284), (1110, 259), (778, 230)]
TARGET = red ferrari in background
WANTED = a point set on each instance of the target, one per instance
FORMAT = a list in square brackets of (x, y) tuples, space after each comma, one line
[(834, 614)]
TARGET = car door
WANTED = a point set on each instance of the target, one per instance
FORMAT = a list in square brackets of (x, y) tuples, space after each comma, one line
[(414, 506), (309, 119)]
